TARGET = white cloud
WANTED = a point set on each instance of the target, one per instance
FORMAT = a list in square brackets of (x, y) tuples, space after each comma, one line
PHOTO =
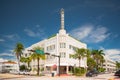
[(82, 32), (2, 40), (99, 34), (30, 32), (90, 33), (113, 54), (12, 37), (34, 33), (2, 60), (7, 54)]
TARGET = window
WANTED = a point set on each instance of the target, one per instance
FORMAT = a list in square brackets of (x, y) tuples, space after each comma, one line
[(70, 56), (72, 47), (62, 45), (51, 47), (25, 55), (62, 54)]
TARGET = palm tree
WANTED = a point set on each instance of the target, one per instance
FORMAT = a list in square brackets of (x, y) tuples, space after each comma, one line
[(38, 57), (117, 65), (18, 51), (91, 63), (79, 53), (102, 60), (88, 53), (98, 57)]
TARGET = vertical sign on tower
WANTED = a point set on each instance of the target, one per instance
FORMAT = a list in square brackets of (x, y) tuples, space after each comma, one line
[(62, 18)]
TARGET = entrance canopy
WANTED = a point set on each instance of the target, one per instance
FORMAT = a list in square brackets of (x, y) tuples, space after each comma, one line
[(61, 64)]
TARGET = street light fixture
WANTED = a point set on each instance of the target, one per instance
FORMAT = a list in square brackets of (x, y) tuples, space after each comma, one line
[(58, 60)]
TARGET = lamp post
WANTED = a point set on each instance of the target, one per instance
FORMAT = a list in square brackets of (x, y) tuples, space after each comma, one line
[(58, 60)]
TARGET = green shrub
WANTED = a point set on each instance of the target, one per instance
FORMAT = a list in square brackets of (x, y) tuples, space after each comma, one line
[(79, 71), (101, 69), (23, 67)]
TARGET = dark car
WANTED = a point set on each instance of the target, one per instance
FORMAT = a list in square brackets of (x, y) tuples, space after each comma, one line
[(117, 73), (92, 73)]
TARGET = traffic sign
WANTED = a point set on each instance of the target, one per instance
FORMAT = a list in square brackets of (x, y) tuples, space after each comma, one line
[(39, 52)]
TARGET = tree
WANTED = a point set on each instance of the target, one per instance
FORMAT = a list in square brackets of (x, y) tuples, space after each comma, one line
[(23, 67), (117, 65), (26, 60), (38, 57), (91, 63), (18, 51), (102, 60), (98, 57), (79, 53)]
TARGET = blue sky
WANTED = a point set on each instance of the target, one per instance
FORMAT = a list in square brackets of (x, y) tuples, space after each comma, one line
[(95, 22)]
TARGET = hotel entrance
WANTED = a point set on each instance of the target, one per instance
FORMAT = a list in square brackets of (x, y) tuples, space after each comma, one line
[(63, 70), (66, 69)]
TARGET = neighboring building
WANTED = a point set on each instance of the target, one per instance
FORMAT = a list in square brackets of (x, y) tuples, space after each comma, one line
[(0, 67), (1, 63), (59, 44), (109, 65), (8, 66)]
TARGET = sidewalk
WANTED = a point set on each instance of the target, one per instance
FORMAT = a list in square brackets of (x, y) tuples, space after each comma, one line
[(9, 76)]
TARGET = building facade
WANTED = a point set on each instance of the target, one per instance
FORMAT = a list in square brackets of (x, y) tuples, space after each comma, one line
[(61, 44), (109, 65), (6, 67)]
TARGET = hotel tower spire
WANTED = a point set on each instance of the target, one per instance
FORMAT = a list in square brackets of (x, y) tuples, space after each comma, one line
[(62, 30), (62, 18)]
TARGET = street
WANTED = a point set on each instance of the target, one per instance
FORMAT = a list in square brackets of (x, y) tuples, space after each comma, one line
[(99, 77)]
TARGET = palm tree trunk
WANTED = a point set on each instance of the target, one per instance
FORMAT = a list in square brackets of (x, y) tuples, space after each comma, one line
[(38, 66), (18, 64), (79, 63), (97, 64)]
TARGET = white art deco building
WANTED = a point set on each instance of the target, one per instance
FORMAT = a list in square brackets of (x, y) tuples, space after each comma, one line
[(59, 44)]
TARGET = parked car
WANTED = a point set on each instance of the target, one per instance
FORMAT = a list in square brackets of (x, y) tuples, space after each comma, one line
[(14, 72), (117, 73), (25, 72), (92, 73)]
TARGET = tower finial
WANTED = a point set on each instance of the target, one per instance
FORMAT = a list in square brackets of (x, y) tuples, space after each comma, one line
[(62, 18), (62, 31)]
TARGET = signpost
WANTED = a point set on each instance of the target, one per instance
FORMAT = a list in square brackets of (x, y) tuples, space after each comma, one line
[(58, 60)]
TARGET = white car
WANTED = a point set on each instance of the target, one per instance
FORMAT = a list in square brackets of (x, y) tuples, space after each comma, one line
[(25, 72), (14, 72)]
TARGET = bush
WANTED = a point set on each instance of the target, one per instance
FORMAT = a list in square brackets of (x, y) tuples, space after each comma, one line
[(101, 69), (79, 71), (23, 67)]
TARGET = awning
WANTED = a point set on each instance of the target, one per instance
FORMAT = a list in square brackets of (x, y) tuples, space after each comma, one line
[(61, 64)]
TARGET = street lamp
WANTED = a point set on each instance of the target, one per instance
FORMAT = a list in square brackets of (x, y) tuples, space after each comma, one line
[(58, 60)]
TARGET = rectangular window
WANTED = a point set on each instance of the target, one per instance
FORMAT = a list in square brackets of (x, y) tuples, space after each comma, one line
[(51, 47), (70, 46), (62, 45), (62, 54), (25, 55)]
